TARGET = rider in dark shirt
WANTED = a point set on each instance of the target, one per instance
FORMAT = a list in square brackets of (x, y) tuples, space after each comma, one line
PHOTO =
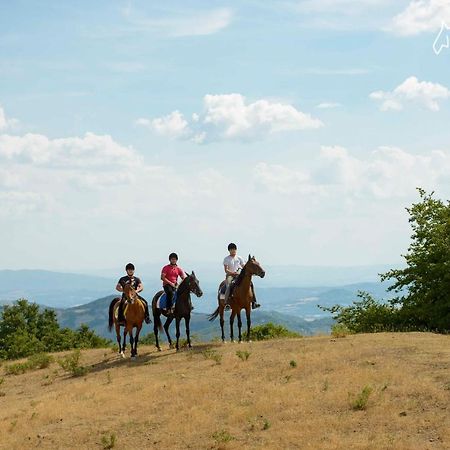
[(136, 284)]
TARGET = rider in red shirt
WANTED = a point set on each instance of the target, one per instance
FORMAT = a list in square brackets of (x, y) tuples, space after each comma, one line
[(169, 277)]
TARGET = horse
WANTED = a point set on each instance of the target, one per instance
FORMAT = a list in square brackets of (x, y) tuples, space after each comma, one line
[(182, 310), (134, 312), (241, 298)]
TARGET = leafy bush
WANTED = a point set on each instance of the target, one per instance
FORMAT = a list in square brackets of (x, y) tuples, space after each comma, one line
[(360, 402), (148, 339), (339, 330), (38, 361), (422, 302), (71, 363), (243, 354), (271, 331), (26, 330), (212, 354)]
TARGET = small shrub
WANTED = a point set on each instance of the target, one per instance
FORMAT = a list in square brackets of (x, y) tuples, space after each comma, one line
[(17, 368), (71, 363), (266, 424), (40, 360), (109, 441), (339, 330), (212, 354), (243, 354), (271, 331), (360, 402), (148, 339), (222, 436), (325, 386), (293, 363)]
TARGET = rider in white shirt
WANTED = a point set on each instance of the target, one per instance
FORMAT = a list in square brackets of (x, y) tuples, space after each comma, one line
[(233, 264)]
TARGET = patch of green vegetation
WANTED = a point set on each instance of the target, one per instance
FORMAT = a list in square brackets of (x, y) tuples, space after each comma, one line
[(37, 361), (271, 331), (243, 354), (293, 363), (71, 363), (26, 329), (222, 436), (213, 355), (359, 403), (109, 441)]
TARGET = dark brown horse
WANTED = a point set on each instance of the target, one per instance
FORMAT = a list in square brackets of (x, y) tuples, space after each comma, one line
[(134, 312), (182, 310), (240, 299)]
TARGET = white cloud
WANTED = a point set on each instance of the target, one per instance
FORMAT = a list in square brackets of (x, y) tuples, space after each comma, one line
[(174, 125), (424, 93), (328, 105), (91, 151), (420, 16), (6, 123), (231, 117), (387, 172), (181, 23), (17, 203)]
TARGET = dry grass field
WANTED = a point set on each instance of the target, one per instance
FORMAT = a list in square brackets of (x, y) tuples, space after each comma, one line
[(289, 394)]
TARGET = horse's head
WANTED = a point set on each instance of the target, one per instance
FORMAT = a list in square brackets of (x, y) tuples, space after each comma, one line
[(194, 284), (130, 293), (254, 267)]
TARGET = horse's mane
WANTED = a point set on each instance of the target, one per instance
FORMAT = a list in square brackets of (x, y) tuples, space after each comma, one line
[(182, 284), (241, 276)]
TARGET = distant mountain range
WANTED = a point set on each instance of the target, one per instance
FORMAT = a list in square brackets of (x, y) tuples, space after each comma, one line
[(81, 299), (301, 285)]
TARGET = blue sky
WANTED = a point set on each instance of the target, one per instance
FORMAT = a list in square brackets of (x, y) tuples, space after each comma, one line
[(299, 129)]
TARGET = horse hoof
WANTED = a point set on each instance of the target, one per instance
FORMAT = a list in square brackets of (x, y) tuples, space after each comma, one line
[(159, 349), (122, 354), (240, 342)]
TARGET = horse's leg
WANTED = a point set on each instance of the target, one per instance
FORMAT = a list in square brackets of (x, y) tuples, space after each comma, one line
[(222, 321), (156, 316), (188, 331), (124, 343), (118, 337), (136, 339), (239, 326), (166, 329), (177, 327), (132, 343), (248, 313), (233, 313)]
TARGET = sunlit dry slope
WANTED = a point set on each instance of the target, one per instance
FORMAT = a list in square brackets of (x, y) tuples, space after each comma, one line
[(381, 391)]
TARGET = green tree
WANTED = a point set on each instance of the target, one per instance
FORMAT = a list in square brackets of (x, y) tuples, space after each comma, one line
[(423, 286), (25, 330)]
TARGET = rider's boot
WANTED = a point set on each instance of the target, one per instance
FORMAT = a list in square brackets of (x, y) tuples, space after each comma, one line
[(120, 316)]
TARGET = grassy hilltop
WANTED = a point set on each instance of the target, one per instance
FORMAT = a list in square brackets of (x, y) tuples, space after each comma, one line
[(377, 391)]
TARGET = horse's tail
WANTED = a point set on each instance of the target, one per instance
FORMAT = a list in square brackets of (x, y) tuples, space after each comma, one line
[(111, 313), (158, 323), (214, 315), (156, 315)]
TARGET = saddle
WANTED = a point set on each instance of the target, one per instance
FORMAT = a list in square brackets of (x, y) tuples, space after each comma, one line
[(161, 303)]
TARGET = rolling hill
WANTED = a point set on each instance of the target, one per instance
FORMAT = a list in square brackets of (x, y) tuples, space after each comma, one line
[(379, 391)]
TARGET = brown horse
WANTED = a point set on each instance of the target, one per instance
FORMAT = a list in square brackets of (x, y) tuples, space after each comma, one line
[(240, 299), (134, 312)]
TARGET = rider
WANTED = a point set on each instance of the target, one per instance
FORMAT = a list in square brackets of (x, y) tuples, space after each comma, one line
[(136, 284), (169, 277), (233, 264)]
